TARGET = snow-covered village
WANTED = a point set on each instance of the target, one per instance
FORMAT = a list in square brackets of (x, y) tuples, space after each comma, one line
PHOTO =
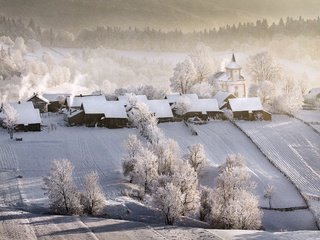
[(138, 119)]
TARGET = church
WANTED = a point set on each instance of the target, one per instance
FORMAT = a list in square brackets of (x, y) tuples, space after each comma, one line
[(231, 80)]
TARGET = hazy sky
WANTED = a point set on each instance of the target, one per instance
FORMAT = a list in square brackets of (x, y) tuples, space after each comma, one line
[(166, 14)]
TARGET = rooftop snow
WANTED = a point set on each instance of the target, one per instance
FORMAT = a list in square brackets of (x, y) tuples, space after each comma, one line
[(221, 97), (110, 109), (161, 108), (78, 100), (245, 104), (172, 98), (27, 114), (233, 65), (38, 96), (53, 97), (204, 105), (125, 98)]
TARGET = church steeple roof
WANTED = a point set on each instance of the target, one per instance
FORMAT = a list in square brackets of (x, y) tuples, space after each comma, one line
[(233, 64)]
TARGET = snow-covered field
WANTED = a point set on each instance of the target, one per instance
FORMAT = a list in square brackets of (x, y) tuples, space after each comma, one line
[(100, 149), (20, 225), (311, 117), (294, 148)]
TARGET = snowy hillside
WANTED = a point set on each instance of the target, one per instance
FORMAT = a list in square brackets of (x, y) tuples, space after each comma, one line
[(294, 148), (101, 150)]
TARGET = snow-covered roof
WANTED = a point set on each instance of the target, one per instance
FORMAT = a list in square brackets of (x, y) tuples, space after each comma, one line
[(110, 109), (245, 104), (221, 97), (76, 101), (53, 97), (27, 114), (38, 96), (172, 98), (125, 98), (233, 65), (313, 93), (204, 105), (161, 108)]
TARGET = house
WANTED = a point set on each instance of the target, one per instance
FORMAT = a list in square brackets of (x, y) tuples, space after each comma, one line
[(248, 109), (231, 79), (56, 101), (222, 98), (97, 111), (125, 98), (161, 109), (39, 102), (28, 118), (75, 102), (204, 109), (172, 98)]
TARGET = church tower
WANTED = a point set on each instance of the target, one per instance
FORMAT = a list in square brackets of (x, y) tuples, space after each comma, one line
[(231, 80)]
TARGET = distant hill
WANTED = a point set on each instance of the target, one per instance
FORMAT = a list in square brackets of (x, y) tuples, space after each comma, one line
[(165, 14)]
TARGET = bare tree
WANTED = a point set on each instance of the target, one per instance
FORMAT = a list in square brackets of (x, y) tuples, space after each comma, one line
[(10, 118), (196, 157), (93, 197), (168, 200), (61, 190), (268, 193)]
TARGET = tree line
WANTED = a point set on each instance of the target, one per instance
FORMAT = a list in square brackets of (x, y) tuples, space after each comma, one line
[(152, 39)]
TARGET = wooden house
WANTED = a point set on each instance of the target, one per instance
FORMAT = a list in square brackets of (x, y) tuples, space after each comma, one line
[(28, 118), (204, 109), (248, 109), (39, 102), (222, 98), (56, 101), (161, 109)]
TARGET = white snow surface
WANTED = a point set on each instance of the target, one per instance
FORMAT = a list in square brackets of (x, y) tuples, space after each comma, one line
[(204, 105), (245, 104), (294, 148), (27, 114), (100, 149), (110, 109), (221, 97), (160, 107), (76, 101)]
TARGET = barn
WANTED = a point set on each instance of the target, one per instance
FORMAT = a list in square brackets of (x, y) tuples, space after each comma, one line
[(39, 102), (204, 109), (28, 118), (161, 109), (248, 109), (56, 101), (222, 98), (110, 114)]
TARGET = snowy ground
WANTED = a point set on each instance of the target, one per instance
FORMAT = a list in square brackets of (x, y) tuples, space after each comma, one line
[(20, 225), (100, 149), (294, 148)]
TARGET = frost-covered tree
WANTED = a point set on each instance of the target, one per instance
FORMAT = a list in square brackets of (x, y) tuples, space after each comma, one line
[(182, 106), (234, 205), (263, 67), (62, 193), (167, 152), (93, 199), (132, 148), (20, 45), (203, 90), (196, 157), (186, 179), (10, 118), (203, 62), (145, 172), (184, 76), (168, 200), (144, 120), (206, 203)]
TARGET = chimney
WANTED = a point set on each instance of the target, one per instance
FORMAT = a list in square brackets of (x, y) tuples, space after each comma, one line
[(19, 102)]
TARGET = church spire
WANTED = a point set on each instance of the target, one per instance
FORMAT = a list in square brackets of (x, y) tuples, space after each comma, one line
[(233, 58)]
